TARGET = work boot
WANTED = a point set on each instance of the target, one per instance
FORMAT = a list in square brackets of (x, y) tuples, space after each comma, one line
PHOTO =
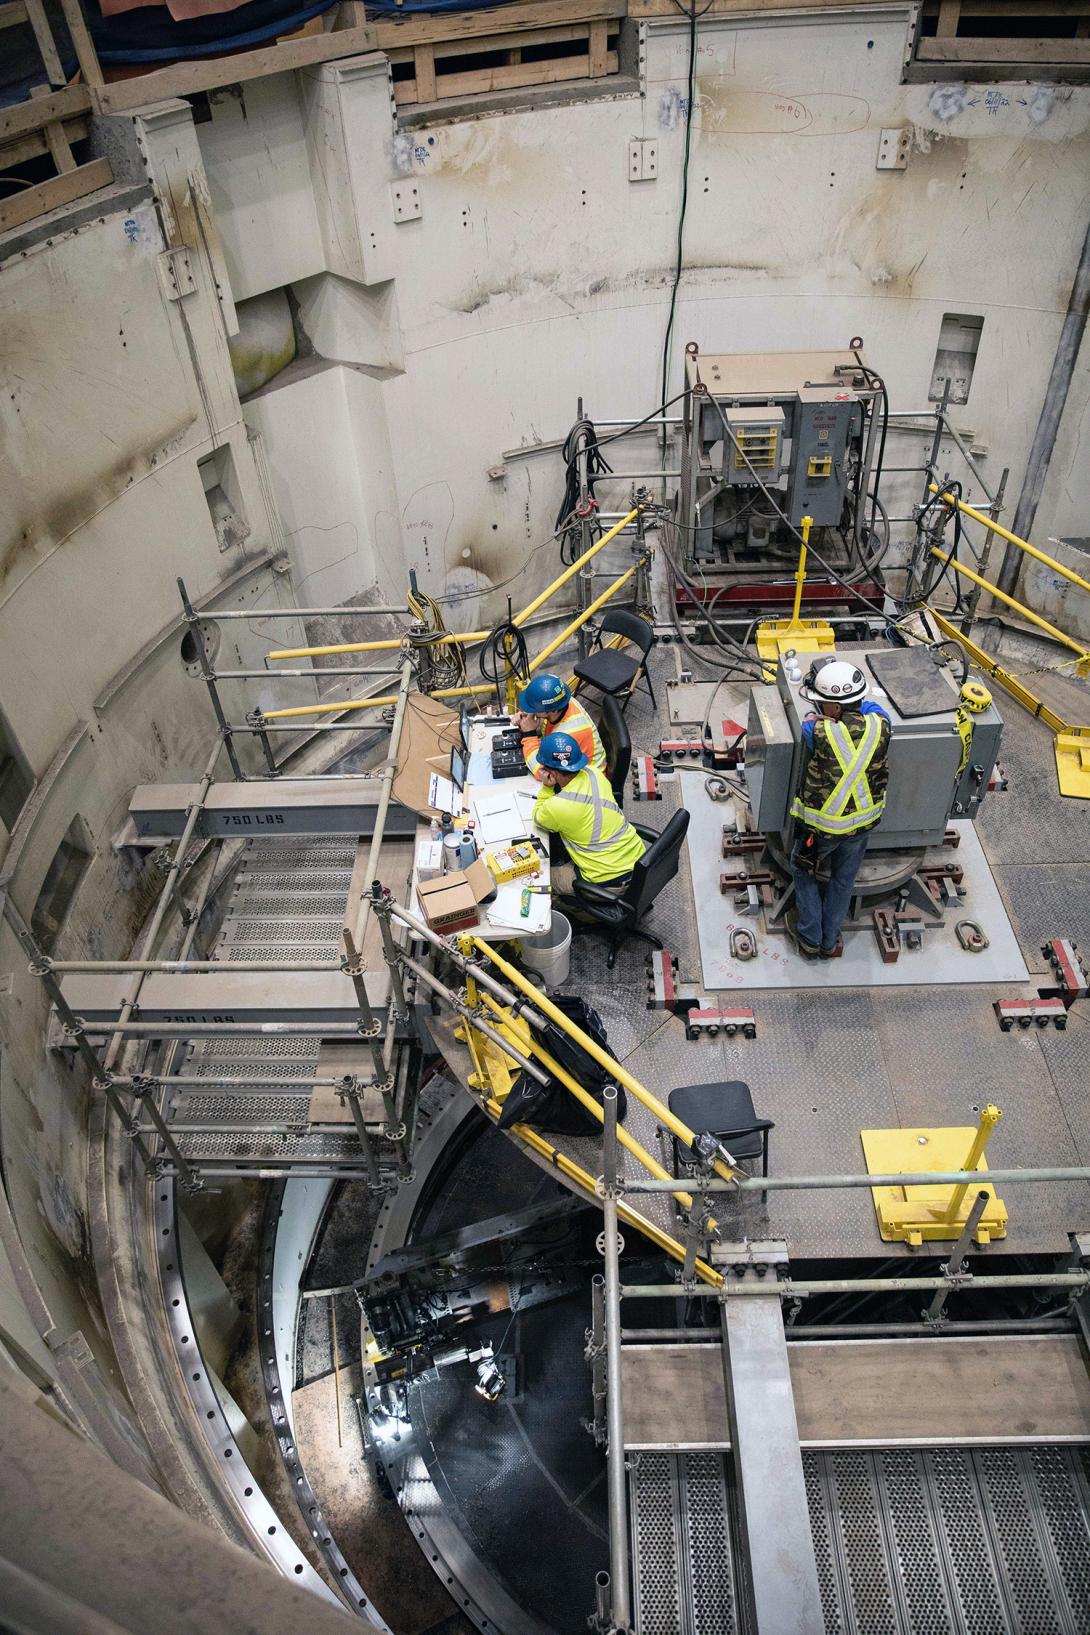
[(835, 951), (807, 949)]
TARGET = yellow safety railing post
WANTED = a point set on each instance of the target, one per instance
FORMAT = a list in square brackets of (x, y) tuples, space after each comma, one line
[(587, 613), (587, 1184), (385, 700), (585, 1099), (800, 571), (449, 638), (989, 1118), (599, 544)]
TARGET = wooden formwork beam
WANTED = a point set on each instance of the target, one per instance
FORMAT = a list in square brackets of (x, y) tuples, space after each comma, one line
[(50, 195), (466, 25)]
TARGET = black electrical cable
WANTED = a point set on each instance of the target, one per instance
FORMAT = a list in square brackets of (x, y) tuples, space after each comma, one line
[(692, 14), (924, 574), (871, 375), (740, 662), (505, 645), (581, 440)]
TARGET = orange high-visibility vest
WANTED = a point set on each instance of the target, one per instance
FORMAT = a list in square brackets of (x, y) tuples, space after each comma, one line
[(580, 726)]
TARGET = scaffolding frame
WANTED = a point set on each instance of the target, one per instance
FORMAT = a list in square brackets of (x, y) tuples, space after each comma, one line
[(136, 1094)]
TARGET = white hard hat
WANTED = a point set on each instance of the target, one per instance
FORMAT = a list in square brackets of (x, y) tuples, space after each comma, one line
[(834, 682)]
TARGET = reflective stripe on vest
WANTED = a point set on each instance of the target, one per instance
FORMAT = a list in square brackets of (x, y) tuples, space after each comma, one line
[(575, 722), (601, 805), (850, 806)]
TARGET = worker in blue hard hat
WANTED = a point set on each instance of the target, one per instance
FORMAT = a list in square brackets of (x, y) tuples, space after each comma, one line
[(546, 705), (576, 803)]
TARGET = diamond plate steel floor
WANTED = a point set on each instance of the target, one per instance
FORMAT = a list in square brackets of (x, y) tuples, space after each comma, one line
[(826, 1064)]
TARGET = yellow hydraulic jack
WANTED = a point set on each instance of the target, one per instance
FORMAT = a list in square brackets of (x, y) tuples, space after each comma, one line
[(795, 635), (913, 1214)]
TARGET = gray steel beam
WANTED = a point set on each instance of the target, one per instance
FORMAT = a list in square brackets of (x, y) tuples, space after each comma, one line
[(269, 807), (226, 997), (782, 1580)]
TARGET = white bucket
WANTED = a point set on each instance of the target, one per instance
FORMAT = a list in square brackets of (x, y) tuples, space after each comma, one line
[(549, 952)]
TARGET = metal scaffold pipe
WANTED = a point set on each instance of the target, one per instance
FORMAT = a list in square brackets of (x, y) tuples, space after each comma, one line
[(904, 1178), (455, 692), (301, 613), (474, 1021), (387, 783), (1083, 653), (612, 1067), (956, 1283), (470, 967), (1013, 539)]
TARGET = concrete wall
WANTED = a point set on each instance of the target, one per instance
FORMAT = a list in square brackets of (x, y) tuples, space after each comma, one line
[(537, 272), (111, 393)]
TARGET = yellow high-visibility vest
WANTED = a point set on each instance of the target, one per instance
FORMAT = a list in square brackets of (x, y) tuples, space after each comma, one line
[(599, 839), (849, 806)]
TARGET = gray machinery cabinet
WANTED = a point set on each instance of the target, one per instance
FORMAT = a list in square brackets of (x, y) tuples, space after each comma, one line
[(925, 790), (802, 421)]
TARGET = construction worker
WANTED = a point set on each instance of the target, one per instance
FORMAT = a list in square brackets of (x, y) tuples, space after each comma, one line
[(547, 705), (842, 797), (576, 803)]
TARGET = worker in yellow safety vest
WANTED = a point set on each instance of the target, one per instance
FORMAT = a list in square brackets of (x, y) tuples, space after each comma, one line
[(576, 803), (842, 798), (547, 705)]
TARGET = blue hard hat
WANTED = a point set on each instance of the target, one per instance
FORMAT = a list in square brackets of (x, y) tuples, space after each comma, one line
[(560, 753), (543, 695)]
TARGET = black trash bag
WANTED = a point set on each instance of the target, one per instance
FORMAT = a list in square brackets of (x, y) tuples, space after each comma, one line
[(552, 1107)]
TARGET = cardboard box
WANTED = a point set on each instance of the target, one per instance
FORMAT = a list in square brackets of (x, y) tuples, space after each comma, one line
[(430, 730), (429, 860), (451, 902)]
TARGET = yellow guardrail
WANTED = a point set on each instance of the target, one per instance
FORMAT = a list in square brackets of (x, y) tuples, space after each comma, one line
[(479, 687), (575, 1173), (450, 638), (545, 1005), (1014, 539), (1083, 653)]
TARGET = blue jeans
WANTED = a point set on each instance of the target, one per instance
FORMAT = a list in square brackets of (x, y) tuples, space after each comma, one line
[(823, 902)]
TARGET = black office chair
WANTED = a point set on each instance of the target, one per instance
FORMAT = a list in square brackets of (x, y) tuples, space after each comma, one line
[(613, 672), (617, 914), (617, 743), (726, 1110)]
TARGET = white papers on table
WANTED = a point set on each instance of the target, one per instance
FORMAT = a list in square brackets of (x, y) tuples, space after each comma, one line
[(497, 817), (525, 800), (442, 795), (507, 909)]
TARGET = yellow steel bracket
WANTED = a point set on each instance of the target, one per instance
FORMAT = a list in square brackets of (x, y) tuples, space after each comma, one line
[(778, 636), (919, 1214)]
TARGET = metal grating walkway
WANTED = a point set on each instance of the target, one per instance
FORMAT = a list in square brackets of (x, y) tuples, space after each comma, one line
[(287, 902), (942, 1541)]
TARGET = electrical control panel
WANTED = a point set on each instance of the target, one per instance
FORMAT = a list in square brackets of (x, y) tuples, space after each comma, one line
[(825, 423)]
